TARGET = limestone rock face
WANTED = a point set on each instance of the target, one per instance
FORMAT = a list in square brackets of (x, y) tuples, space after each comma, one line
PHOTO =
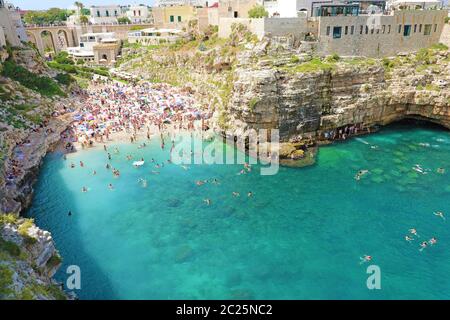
[(306, 104), (28, 262)]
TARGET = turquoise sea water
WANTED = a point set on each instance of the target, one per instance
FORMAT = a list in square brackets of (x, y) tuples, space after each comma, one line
[(300, 236)]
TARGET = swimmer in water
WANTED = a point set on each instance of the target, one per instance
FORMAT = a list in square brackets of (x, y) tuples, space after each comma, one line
[(200, 182), (365, 259), (250, 194), (109, 156), (69, 213), (72, 165), (108, 166), (440, 170), (409, 239), (207, 201), (81, 164), (110, 186), (215, 181), (414, 232), (439, 214), (423, 245), (235, 194), (94, 173), (84, 189), (432, 241), (360, 174), (64, 157)]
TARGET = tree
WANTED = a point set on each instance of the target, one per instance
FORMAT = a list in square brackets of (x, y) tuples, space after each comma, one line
[(84, 19), (258, 11), (123, 20), (85, 11), (51, 16), (79, 6)]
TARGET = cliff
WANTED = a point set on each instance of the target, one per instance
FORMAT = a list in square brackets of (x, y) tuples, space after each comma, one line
[(308, 98), (34, 111), (28, 260)]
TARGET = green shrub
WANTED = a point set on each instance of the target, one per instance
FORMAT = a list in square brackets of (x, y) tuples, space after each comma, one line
[(42, 84), (54, 261), (439, 47), (258, 11), (10, 247), (63, 58), (7, 218), (64, 78), (252, 103), (5, 281), (23, 231)]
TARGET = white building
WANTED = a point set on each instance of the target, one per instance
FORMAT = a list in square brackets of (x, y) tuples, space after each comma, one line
[(87, 42), (411, 4), (105, 14), (289, 8), (152, 36), (139, 14), (197, 3)]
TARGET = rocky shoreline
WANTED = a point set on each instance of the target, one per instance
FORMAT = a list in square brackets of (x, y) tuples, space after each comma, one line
[(31, 258)]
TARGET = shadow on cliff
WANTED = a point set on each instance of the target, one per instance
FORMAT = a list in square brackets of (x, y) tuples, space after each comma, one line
[(51, 214)]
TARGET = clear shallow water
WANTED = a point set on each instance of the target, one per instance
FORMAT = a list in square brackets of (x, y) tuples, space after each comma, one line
[(299, 237)]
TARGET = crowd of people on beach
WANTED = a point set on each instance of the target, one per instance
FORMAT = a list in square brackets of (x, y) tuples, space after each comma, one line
[(115, 107)]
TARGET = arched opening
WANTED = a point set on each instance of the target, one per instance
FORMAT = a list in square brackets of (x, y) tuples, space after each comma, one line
[(62, 39), (31, 38), (104, 56), (47, 42)]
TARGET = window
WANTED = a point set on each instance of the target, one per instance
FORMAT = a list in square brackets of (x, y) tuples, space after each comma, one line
[(236, 14), (98, 13), (352, 29), (346, 30), (179, 18), (406, 30), (415, 28), (115, 13), (420, 28), (389, 28), (367, 29), (399, 28), (378, 30), (107, 13), (435, 27), (328, 30), (383, 28), (172, 19), (337, 32), (427, 29), (361, 29), (372, 30)]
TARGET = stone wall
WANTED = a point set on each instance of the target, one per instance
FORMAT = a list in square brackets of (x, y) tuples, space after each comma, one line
[(445, 36), (9, 29), (2, 38), (380, 35), (297, 27)]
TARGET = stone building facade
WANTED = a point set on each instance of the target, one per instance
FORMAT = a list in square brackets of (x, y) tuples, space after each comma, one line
[(353, 35), (380, 35)]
